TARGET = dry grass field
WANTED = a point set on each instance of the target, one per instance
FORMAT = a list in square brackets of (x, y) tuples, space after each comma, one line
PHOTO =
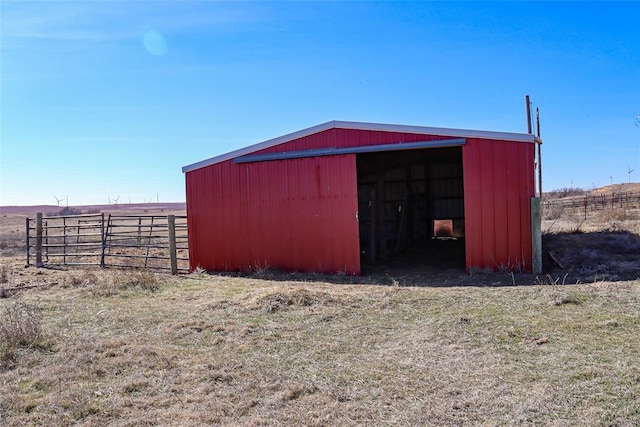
[(129, 348)]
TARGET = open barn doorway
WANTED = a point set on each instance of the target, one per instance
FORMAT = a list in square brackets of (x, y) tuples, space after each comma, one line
[(411, 209)]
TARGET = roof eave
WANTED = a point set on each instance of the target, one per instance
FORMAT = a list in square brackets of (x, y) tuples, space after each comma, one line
[(460, 133)]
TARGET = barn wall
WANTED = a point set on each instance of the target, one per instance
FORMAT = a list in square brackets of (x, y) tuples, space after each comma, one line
[(343, 138), (290, 214), (498, 186), (300, 214)]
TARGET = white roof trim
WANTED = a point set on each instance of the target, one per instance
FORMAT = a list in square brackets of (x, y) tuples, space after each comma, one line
[(462, 133)]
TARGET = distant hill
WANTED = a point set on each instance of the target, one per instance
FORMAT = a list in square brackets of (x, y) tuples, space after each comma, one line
[(120, 207), (562, 193), (633, 187)]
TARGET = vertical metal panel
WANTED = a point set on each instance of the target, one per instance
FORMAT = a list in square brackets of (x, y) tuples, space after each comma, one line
[(499, 183), (501, 222), (472, 204), (291, 214), (486, 206), (514, 228)]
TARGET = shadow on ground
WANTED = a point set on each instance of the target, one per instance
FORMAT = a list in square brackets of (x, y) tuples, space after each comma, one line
[(568, 258), (611, 255)]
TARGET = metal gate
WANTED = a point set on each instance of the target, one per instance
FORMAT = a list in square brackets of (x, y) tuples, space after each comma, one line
[(106, 240)]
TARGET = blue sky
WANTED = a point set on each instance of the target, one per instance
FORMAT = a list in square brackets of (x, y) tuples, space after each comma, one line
[(101, 99)]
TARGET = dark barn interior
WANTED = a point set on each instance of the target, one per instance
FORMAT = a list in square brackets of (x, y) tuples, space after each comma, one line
[(411, 208)]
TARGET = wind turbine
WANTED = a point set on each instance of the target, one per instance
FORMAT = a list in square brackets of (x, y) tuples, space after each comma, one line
[(115, 200), (629, 170), (58, 199)]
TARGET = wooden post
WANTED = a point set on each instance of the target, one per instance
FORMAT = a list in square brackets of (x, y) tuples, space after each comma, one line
[(536, 236), (39, 239), (28, 221), (171, 225)]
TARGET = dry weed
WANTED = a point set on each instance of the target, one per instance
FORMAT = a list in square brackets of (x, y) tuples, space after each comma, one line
[(296, 297), (571, 298), (20, 327), (4, 274), (85, 279), (553, 212), (618, 214), (4, 279), (119, 281)]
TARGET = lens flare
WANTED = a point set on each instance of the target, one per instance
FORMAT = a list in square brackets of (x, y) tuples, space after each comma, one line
[(154, 43)]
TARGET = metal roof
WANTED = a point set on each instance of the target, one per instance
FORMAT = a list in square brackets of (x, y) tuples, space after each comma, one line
[(458, 133)]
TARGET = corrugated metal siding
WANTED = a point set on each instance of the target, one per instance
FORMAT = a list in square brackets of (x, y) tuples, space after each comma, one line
[(299, 214), (343, 138), (291, 214), (499, 184)]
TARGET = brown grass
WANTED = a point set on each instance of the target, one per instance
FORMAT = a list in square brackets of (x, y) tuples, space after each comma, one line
[(20, 328), (117, 281), (131, 348), (242, 351)]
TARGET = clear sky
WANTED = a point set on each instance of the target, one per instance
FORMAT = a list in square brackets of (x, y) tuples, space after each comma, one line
[(101, 99)]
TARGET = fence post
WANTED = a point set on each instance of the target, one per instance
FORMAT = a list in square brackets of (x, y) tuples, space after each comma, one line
[(171, 225), (39, 239), (28, 221), (536, 236), (104, 232), (586, 198)]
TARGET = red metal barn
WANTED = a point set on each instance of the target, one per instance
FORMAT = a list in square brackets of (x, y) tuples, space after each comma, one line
[(340, 195)]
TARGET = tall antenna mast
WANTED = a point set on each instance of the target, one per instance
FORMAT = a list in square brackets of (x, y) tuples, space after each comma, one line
[(527, 105), (539, 152)]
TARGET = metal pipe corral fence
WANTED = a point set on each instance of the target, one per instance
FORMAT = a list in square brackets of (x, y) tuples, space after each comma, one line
[(106, 240)]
